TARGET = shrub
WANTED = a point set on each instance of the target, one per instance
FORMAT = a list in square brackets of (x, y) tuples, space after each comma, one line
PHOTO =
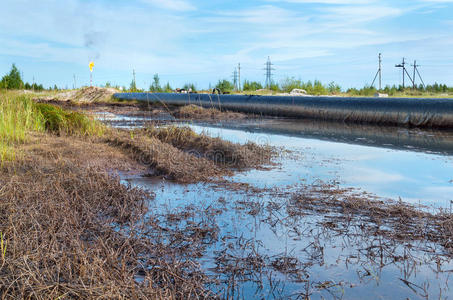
[(251, 86), (225, 85)]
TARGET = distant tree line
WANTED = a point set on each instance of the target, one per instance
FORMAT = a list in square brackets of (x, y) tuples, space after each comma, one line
[(13, 81), (316, 87)]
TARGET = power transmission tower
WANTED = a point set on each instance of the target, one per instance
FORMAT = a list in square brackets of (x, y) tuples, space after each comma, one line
[(239, 77), (379, 72), (403, 66), (235, 79), (416, 71), (269, 70)]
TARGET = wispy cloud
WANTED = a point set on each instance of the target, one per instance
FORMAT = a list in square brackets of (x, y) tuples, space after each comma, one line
[(338, 2), (177, 5), (177, 37)]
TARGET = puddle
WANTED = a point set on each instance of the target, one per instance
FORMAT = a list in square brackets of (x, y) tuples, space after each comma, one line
[(253, 247), (415, 177)]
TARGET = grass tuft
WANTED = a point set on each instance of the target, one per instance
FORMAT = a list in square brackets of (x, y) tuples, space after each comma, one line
[(20, 115), (59, 121)]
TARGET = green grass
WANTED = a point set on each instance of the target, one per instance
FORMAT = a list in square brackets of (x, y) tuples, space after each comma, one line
[(58, 120), (20, 115)]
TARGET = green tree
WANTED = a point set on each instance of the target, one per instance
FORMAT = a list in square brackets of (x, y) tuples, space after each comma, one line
[(274, 87), (167, 88), (13, 80), (290, 83), (224, 86), (133, 86), (190, 86), (334, 88), (251, 86), (155, 86)]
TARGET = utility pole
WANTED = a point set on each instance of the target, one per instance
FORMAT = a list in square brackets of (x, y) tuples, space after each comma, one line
[(235, 79), (33, 86), (379, 72), (403, 66), (418, 73), (239, 76), (135, 83), (269, 70), (75, 84)]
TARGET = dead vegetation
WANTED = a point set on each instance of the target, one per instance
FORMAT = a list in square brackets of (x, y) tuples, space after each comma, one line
[(164, 159), (71, 230), (395, 220), (195, 112), (221, 152), (77, 233)]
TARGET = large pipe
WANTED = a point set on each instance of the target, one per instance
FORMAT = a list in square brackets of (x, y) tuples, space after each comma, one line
[(408, 112)]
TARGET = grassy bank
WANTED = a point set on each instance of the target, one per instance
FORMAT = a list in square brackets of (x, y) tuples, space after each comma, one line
[(20, 115)]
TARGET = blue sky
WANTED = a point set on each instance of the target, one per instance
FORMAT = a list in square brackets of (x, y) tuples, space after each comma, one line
[(202, 41)]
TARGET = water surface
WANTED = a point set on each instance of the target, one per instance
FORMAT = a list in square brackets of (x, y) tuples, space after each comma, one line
[(262, 251)]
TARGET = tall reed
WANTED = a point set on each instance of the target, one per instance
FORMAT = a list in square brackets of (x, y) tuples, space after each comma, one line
[(20, 115)]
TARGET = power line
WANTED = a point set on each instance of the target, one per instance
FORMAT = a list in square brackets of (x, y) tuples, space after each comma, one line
[(269, 70), (403, 66), (239, 76), (416, 71), (379, 72), (235, 79)]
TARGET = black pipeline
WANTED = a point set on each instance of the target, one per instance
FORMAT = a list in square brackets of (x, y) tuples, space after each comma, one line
[(409, 112)]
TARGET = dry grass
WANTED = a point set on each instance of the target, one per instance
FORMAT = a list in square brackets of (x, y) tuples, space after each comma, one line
[(164, 159), (77, 233), (222, 152), (195, 112), (396, 220)]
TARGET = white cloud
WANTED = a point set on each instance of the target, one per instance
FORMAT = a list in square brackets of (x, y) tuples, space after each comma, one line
[(368, 175), (178, 5), (157, 37), (347, 15), (437, 1), (338, 2)]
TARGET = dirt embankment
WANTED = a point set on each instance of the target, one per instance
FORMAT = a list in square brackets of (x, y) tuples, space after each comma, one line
[(83, 96)]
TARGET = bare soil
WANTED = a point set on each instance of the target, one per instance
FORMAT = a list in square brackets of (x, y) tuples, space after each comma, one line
[(83, 96)]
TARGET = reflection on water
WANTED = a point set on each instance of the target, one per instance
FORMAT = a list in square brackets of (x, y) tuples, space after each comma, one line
[(415, 177), (256, 247)]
